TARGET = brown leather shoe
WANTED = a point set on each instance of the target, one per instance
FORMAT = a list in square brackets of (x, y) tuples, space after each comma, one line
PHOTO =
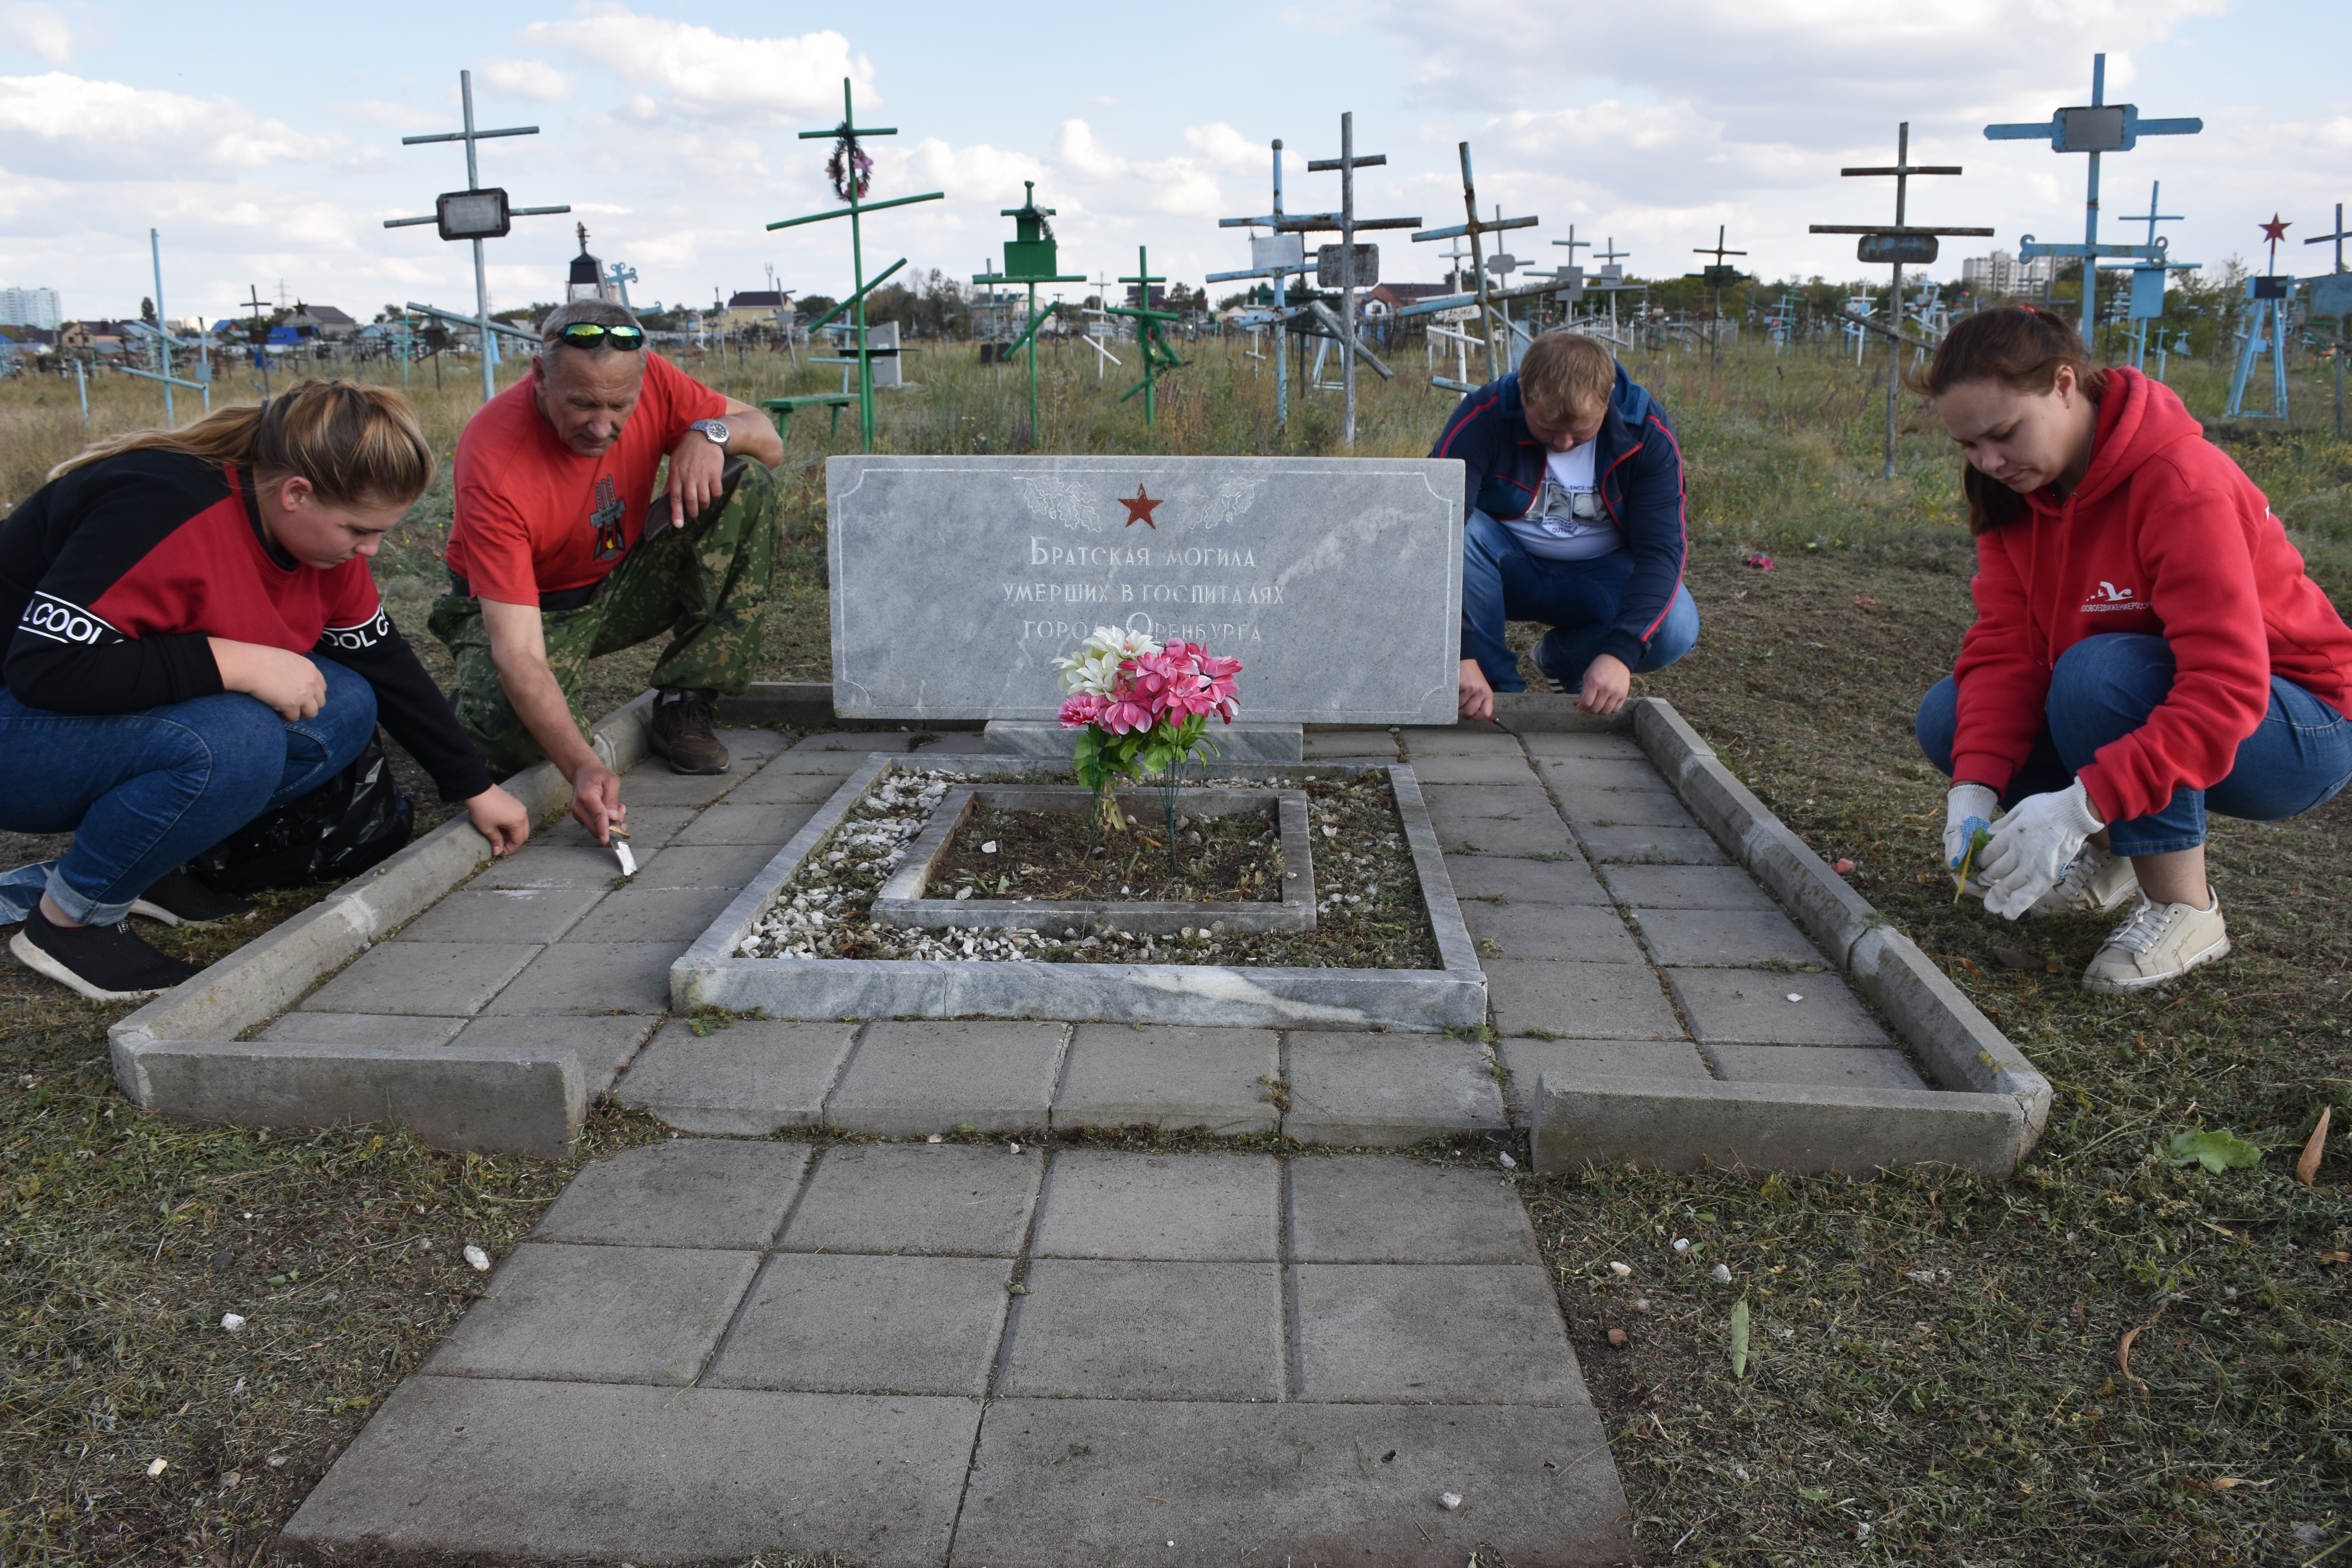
[(682, 732)]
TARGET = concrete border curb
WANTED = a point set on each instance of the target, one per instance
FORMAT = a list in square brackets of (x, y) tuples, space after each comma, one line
[(1973, 1063), (1423, 1000), (194, 1026)]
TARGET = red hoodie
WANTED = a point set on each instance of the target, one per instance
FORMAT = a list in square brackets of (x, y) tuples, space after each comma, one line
[(2165, 536)]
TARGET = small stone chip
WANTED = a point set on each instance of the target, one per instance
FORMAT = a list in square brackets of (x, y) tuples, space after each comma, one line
[(478, 1258), (1617, 1338), (1720, 1274), (231, 1322), (1622, 1270), (159, 1466), (1793, 996), (989, 848), (1450, 1501), (963, 893)]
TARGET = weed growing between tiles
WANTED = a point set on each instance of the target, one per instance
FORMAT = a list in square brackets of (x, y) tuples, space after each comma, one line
[(1369, 914)]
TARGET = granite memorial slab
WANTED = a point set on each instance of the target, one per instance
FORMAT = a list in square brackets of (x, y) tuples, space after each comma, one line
[(957, 581)]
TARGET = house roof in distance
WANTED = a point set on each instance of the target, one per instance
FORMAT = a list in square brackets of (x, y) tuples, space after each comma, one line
[(757, 299)]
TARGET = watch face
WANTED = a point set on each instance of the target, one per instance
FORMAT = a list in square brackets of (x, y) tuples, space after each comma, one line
[(714, 428)]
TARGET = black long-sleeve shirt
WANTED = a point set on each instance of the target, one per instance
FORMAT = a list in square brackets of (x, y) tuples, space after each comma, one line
[(116, 574)]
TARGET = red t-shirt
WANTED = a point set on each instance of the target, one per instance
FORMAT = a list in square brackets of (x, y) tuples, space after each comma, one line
[(533, 516)]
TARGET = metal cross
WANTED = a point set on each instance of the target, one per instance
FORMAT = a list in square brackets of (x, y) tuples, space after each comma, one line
[(1279, 273), (1030, 257), (1905, 241), (1346, 221), (2147, 301), (2332, 295), (856, 303), (2094, 128), (474, 220), (1572, 275), (1714, 277), (1477, 228), (1149, 340)]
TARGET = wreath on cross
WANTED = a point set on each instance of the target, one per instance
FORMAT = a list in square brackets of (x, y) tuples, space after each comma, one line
[(849, 168)]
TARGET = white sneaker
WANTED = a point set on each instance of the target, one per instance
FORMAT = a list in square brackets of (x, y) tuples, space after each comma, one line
[(2158, 942), (2095, 883)]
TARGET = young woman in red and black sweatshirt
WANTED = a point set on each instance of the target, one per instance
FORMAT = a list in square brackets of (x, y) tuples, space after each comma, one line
[(197, 639), (2147, 649)]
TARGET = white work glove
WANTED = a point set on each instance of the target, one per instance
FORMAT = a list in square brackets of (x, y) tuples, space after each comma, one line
[(1968, 807), (2032, 846)]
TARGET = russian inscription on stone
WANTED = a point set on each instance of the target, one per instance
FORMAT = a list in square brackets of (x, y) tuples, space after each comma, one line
[(957, 582)]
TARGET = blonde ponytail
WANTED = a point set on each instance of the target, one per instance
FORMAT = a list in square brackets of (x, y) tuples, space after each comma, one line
[(356, 445)]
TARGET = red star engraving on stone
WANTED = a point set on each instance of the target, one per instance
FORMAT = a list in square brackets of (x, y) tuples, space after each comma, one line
[(1138, 510), (2275, 231)]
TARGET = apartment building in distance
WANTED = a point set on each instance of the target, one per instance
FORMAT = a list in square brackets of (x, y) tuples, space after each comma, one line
[(30, 308), (2001, 275)]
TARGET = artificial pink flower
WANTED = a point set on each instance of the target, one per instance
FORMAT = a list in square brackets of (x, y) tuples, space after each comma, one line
[(1082, 708)]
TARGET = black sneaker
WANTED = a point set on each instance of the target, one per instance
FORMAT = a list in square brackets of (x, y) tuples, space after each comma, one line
[(105, 963), (683, 732), (178, 898)]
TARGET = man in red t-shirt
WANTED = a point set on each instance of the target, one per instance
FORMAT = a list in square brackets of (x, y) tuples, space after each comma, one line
[(559, 553)]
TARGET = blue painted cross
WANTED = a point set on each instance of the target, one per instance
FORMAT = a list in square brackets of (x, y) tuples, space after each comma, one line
[(2094, 128)]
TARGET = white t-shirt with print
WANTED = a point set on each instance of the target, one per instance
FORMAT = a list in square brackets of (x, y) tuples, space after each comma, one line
[(1568, 521)]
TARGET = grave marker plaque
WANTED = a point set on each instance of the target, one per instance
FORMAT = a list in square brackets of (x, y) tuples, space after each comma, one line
[(956, 582)]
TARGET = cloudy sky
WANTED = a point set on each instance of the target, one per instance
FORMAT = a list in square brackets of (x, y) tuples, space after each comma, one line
[(264, 140)]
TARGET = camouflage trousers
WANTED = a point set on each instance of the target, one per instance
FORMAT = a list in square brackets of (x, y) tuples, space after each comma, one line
[(706, 583)]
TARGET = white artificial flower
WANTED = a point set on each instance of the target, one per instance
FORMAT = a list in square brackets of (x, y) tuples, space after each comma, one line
[(1095, 667)]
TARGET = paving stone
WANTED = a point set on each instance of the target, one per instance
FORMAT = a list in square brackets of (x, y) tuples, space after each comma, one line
[(1585, 932), (1478, 801), (1169, 1077), (1100, 1202), (750, 1080), (1580, 1001), (777, 784), (1057, 1481), (947, 1199), (1493, 768), (1093, 1330), (1571, 775), (1653, 846), (641, 911), (510, 914), (746, 822), (1657, 807), (727, 866), (1373, 1208), (1832, 1066), (842, 753), (1450, 1333), (606, 1045), (599, 1314), (1706, 938), (390, 1029), (541, 865), (586, 977), (649, 827), (1352, 745), (567, 1471), (1685, 888), (1565, 880), (1545, 834), (1553, 745), (1459, 741), (1528, 1060), (865, 1324), (753, 743), (905, 1078), (1387, 1091), (439, 979), (688, 1192), (954, 743), (1751, 1008), (652, 783)]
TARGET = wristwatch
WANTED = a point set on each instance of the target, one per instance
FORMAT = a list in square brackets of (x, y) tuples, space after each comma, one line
[(714, 428)]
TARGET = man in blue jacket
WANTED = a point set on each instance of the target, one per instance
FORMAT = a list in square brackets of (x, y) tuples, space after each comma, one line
[(1574, 519)]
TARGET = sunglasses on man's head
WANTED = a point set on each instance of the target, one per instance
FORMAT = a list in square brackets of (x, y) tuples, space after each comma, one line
[(588, 334)]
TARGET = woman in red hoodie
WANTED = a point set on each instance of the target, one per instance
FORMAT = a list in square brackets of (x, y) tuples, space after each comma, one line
[(2147, 649)]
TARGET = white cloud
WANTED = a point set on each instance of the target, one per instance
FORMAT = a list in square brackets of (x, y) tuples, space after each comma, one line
[(40, 28), (69, 126), (535, 79), (708, 75)]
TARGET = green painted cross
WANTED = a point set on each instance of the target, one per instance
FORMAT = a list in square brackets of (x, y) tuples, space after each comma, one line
[(1030, 257), (1149, 340)]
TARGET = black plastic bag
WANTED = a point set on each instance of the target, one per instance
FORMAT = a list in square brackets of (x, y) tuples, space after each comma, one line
[(331, 835)]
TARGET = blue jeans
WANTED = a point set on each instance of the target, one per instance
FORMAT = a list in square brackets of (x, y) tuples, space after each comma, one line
[(142, 792), (1577, 599), (2106, 687)]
